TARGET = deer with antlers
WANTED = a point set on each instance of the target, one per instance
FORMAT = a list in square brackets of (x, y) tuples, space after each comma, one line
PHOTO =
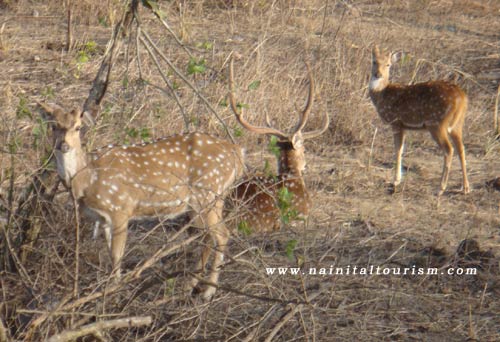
[(438, 106), (258, 196), (182, 173)]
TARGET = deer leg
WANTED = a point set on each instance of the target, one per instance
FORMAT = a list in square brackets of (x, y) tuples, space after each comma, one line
[(200, 265), (456, 136), (399, 143), (118, 242), (220, 235), (440, 135), (107, 234)]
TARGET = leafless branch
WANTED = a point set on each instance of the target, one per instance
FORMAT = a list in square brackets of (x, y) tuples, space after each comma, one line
[(98, 327)]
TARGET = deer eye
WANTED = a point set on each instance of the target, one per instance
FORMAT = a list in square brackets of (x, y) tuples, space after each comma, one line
[(78, 128)]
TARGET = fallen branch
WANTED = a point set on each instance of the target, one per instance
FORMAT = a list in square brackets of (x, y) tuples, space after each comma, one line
[(98, 327)]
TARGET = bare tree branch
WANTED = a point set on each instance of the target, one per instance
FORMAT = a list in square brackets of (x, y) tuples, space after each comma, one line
[(98, 327), (101, 80)]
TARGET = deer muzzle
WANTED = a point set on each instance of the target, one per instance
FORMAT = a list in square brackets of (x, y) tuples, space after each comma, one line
[(63, 147)]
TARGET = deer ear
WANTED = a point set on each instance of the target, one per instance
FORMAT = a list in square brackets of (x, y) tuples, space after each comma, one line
[(51, 111), (87, 118), (396, 56), (297, 140), (88, 115), (375, 50)]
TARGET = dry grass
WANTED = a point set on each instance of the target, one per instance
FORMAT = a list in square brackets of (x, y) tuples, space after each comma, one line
[(354, 221)]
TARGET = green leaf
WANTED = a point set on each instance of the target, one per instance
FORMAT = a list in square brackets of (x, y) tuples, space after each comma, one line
[(285, 200), (290, 249), (238, 131), (242, 105), (244, 228), (268, 171), (273, 146), (196, 67), (254, 85), (90, 47), (82, 57), (22, 110), (145, 135), (131, 132), (208, 45)]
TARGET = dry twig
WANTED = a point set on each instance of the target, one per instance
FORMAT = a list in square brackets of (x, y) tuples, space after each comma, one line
[(98, 327)]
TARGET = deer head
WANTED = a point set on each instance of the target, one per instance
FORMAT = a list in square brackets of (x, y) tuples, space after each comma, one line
[(66, 127), (291, 145)]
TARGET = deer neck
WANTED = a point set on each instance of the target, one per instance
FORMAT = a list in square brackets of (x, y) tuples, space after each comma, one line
[(287, 167), (377, 86), (70, 163)]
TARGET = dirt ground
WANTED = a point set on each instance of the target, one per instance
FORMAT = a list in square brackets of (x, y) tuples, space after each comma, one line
[(355, 221)]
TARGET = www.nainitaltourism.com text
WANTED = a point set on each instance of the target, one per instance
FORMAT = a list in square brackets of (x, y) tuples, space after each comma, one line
[(370, 270)]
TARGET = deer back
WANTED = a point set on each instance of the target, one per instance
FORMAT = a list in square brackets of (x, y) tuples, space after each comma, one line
[(261, 206), (421, 105), (164, 177)]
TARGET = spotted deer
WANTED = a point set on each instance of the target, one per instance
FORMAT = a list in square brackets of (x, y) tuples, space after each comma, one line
[(258, 196), (182, 173), (437, 106)]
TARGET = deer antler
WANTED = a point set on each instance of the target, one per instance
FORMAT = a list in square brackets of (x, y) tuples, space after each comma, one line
[(310, 100), (318, 132)]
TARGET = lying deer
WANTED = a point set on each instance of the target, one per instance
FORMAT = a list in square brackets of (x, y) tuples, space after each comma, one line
[(183, 173), (258, 196), (437, 106)]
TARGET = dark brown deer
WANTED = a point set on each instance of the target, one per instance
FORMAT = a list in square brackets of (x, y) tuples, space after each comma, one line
[(258, 197), (436, 106)]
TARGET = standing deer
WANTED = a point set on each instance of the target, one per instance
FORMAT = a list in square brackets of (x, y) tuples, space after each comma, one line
[(258, 196), (182, 173), (437, 106)]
